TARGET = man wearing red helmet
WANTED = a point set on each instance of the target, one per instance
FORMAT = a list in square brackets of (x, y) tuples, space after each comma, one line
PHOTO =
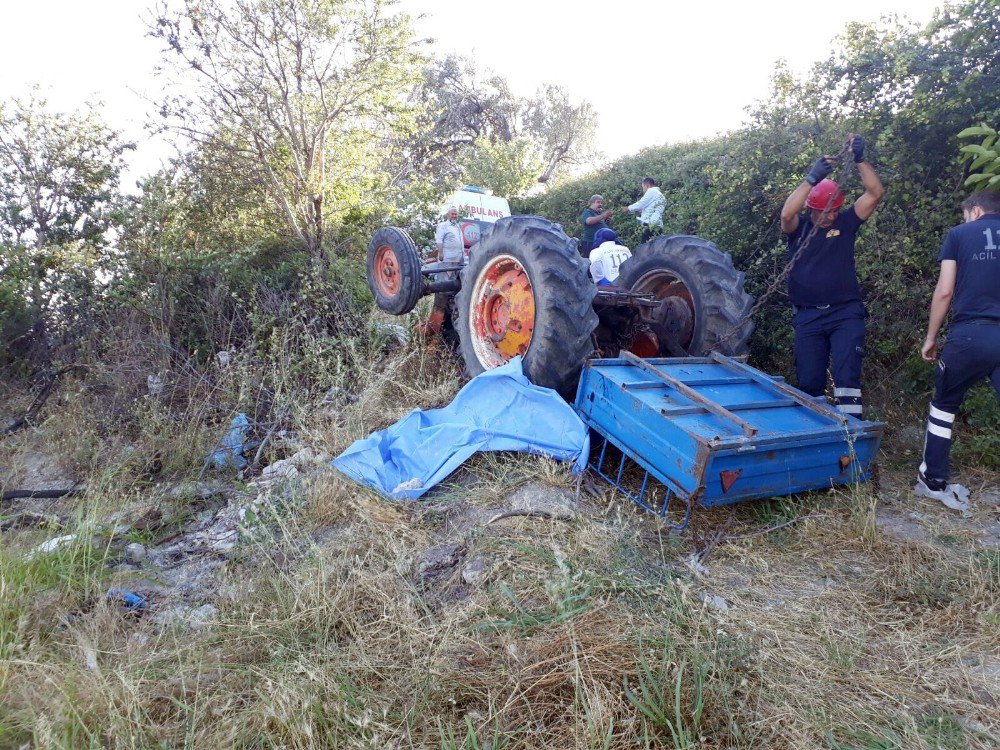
[(828, 314)]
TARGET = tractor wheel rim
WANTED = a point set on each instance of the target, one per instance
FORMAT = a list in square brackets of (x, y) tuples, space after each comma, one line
[(502, 315), (387, 276), (667, 286)]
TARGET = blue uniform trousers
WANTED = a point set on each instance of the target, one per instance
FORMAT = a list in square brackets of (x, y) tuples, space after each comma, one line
[(971, 353), (831, 336)]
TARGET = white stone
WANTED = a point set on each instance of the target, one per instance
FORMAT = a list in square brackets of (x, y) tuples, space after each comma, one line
[(542, 500), (52, 545), (192, 617), (201, 616), (716, 602), (283, 469), (305, 458), (695, 565), (222, 542), (154, 385), (475, 570)]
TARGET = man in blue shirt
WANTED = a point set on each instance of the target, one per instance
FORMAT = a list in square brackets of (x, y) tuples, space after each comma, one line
[(828, 315), (969, 284)]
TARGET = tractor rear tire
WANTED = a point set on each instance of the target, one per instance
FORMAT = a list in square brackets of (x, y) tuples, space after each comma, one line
[(527, 291), (393, 268), (709, 303)]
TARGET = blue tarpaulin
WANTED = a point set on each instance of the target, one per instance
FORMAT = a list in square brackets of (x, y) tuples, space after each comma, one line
[(499, 410)]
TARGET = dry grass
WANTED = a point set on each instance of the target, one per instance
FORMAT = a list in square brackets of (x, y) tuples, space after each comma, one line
[(865, 642), (576, 639), (590, 633)]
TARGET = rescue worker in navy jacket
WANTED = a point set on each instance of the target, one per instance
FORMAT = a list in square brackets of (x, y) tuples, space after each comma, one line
[(968, 283), (828, 314)]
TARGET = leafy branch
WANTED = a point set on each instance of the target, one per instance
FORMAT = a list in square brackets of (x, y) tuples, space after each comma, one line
[(984, 156)]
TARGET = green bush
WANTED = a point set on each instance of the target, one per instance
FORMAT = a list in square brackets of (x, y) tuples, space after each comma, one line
[(909, 92), (17, 313), (979, 444)]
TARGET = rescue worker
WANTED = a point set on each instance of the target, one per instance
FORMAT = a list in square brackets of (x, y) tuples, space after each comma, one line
[(606, 257), (828, 314), (969, 284)]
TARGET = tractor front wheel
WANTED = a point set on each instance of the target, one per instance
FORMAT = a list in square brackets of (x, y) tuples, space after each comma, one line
[(526, 292), (393, 268)]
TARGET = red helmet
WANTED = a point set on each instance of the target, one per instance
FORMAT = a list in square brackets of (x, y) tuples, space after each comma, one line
[(825, 195)]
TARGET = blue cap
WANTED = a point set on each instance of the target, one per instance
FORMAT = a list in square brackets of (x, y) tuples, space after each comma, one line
[(604, 235)]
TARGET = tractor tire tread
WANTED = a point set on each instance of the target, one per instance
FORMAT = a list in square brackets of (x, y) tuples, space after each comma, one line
[(410, 279), (564, 313), (722, 304)]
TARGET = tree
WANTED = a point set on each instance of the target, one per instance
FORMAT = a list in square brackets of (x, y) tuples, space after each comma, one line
[(562, 131), (505, 167), (984, 157), (469, 116), (59, 201), (303, 94), (59, 175), (456, 106)]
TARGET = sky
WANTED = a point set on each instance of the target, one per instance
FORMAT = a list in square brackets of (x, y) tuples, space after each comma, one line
[(657, 72)]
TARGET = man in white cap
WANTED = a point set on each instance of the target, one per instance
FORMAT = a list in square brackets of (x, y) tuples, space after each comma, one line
[(448, 238), (450, 247)]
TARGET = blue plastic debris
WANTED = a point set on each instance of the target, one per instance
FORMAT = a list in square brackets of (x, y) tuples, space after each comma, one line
[(230, 452), (131, 601), (499, 410)]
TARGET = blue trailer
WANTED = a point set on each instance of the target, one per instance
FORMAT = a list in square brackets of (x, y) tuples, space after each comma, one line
[(715, 431)]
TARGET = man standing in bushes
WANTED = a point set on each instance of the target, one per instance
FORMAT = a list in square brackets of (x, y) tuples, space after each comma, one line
[(828, 314), (649, 207), (593, 219), (969, 284)]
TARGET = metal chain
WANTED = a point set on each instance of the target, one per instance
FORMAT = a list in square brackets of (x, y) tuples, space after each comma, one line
[(782, 278)]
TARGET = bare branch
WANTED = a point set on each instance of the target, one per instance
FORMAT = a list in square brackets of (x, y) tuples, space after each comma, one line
[(296, 79)]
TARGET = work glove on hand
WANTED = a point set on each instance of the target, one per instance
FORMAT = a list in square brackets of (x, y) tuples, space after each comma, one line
[(819, 170), (858, 147)]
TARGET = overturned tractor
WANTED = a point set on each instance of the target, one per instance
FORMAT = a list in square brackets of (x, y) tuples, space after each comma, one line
[(527, 291)]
